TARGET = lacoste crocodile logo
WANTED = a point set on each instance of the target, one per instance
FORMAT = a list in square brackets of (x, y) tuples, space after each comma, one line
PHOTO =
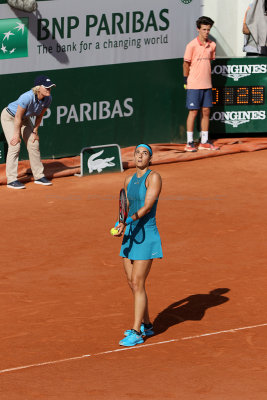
[(98, 164)]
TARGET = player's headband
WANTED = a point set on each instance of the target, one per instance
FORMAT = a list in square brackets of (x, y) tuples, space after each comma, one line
[(146, 146)]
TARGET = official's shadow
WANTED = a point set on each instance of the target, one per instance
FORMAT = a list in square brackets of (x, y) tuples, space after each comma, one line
[(54, 167), (192, 308)]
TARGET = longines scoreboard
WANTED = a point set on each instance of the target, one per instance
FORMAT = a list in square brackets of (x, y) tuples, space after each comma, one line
[(239, 96)]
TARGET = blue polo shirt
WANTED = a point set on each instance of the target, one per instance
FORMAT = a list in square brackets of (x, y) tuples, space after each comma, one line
[(30, 102)]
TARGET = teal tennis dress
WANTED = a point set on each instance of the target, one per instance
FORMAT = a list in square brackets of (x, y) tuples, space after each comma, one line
[(141, 240)]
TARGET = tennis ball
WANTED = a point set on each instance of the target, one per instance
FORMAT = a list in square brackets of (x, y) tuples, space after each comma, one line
[(114, 231)]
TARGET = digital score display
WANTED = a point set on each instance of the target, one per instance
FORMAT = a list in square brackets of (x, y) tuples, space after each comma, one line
[(238, 95)]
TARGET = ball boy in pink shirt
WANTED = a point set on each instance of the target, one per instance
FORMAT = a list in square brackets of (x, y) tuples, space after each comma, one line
[(197, 80)]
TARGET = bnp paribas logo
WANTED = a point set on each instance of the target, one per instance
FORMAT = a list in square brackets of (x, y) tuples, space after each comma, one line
[(13, 38)]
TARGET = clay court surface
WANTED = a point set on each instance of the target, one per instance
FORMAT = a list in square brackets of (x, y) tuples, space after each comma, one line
[(65, 302)]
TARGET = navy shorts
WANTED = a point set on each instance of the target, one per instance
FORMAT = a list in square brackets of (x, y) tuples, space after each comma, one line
[(198, 98)]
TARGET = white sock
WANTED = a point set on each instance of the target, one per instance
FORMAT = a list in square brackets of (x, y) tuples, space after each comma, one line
[(189, 137), (204, 136)]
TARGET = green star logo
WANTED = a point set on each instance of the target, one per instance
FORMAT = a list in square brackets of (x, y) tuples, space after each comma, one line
[(13, 38), (186, 1)]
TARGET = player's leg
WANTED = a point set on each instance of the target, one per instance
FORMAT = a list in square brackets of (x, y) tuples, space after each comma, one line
[(140, 272), (12, 159), (128, 268), (146, 326)]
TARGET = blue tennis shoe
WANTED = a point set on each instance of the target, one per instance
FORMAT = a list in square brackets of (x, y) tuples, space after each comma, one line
[(132, 339), (144, 331)]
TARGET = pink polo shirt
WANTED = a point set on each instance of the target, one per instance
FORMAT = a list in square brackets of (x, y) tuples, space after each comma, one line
[(199, 56)]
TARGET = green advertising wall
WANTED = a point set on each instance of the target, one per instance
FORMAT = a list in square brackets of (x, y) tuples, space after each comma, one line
[(123, 104), (118, 73), (141, 102), (117, 68)]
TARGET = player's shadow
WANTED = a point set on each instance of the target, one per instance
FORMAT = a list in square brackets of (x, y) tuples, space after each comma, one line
[(192, 308)]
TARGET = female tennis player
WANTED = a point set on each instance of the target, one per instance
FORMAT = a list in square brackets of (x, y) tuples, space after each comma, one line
[(141, 242)]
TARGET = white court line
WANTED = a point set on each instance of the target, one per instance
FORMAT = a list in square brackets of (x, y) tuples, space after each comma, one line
[(130, 348)]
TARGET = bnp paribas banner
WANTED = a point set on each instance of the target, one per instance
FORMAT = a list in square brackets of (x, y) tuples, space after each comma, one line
[(68, 34)]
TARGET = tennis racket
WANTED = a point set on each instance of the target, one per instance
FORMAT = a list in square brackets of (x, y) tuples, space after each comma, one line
[(122, 206)]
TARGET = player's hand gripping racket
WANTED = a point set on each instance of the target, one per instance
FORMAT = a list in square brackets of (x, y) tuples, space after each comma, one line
[(123, 206)]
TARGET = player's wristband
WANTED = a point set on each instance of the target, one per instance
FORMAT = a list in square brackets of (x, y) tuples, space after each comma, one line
[(117, 223), (185, 80), (128, 221)]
